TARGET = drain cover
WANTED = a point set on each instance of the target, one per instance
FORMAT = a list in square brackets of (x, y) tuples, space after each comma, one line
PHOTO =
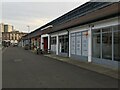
[(17, 60)]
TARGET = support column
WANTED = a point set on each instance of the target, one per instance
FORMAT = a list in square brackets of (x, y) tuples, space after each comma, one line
[(41, 43), (90, 45), (57, 46), (48, 42)]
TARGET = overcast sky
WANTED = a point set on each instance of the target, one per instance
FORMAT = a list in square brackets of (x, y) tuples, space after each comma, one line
[(34, 14)]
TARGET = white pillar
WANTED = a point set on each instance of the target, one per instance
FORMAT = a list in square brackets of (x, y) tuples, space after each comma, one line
[(90, 45), (57, 46), (41, 42), (48, 42)]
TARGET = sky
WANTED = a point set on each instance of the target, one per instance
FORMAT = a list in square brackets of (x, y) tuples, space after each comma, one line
[(34, 14)]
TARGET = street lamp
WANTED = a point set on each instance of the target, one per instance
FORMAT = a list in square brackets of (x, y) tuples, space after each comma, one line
[(28, 35), (28, 28)]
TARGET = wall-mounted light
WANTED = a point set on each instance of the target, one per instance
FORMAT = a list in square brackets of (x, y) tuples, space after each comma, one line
[(50, 26)]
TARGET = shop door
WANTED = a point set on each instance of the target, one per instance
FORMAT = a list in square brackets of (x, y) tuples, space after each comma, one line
[(46, 43)]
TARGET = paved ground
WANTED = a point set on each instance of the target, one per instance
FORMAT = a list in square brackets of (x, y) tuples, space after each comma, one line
[(112, 72), (23, 69)]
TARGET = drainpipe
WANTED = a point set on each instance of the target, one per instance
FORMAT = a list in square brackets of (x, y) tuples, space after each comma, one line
[(68, 41), (30, 43), (49, 43)]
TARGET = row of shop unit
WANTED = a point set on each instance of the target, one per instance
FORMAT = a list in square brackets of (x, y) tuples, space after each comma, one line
[(97, 42), (33, 43)]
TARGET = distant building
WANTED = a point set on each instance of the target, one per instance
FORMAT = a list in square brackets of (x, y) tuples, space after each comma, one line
[(12, 37), (1, 30), (1, 27), (8, 28)]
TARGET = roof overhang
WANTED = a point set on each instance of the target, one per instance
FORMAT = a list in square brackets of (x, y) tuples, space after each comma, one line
[(97, 15), (102, 13)]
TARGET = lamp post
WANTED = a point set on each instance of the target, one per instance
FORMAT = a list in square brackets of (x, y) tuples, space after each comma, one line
[(28, 28), (28, 36)]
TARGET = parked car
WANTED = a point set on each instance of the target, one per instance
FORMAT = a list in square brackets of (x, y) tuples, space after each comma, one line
[(15, 45), (26, 47)]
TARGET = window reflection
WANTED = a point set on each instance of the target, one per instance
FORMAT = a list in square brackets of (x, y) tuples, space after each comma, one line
[(104, 49), (107, 43), (63, 43), (53, 40), (96, 43), (117, 46)]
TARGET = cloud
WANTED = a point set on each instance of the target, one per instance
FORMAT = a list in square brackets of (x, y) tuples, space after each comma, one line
[(35, 14), (44, 0), (33, 23)]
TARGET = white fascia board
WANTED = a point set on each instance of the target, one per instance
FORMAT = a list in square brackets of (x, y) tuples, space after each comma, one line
[(79, 28), (44, 35), (59, 33), (50, 26), (99, 24), (106, 23), (62, 33), (53, 35)]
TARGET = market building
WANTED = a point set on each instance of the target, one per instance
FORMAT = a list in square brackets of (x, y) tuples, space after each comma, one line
[(88, 33)]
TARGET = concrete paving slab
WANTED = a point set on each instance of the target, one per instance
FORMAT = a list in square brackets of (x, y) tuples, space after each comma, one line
[(90, 66)]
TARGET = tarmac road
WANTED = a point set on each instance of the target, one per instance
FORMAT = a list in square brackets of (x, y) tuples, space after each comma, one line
[(23, 69)]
